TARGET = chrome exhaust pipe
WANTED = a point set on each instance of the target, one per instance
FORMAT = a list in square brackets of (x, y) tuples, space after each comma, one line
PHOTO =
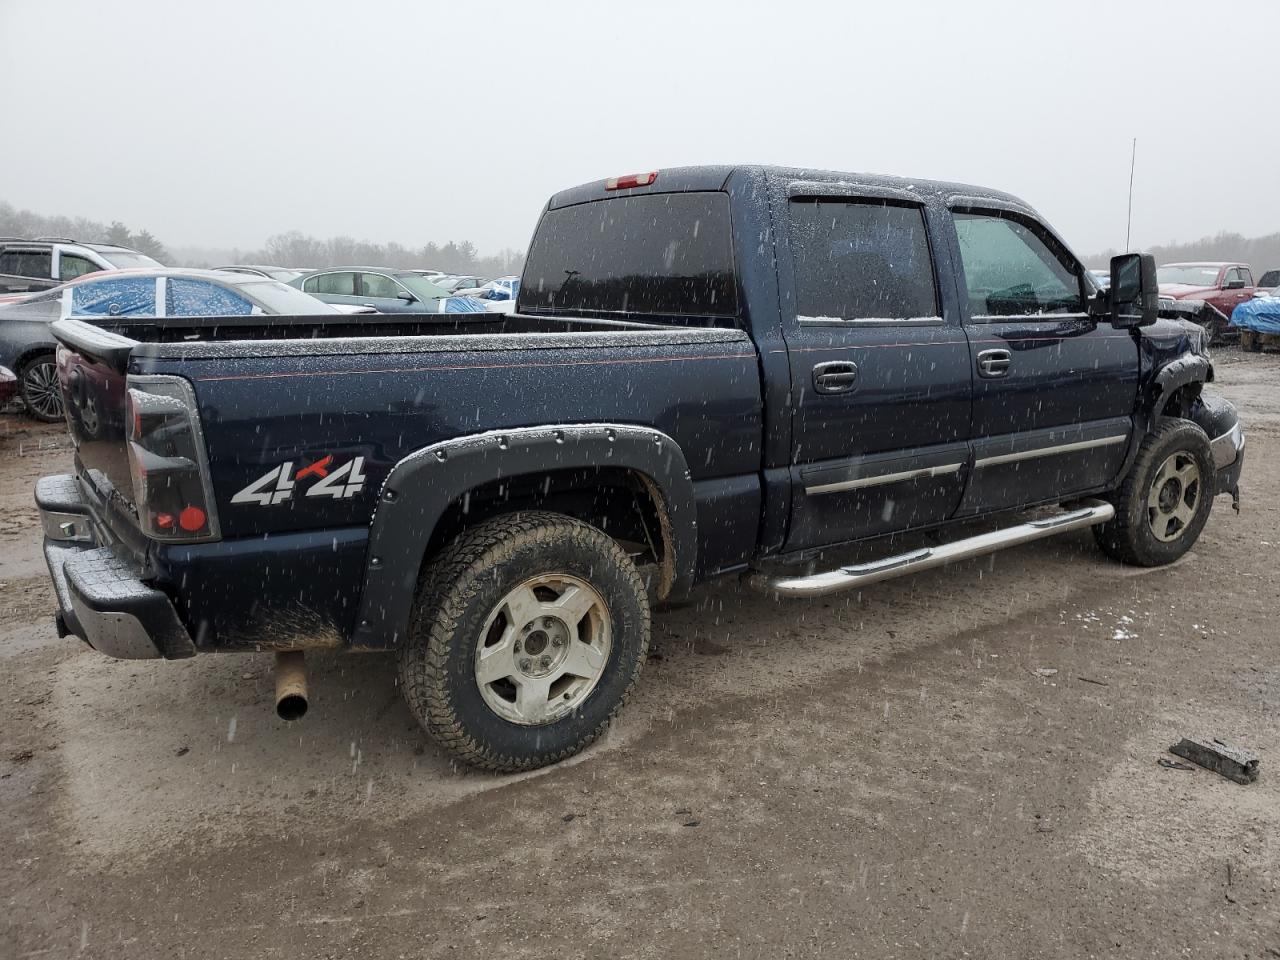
[(291, 685)]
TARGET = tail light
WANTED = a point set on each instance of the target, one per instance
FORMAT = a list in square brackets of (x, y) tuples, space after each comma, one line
[(631, 180), (167, 461)]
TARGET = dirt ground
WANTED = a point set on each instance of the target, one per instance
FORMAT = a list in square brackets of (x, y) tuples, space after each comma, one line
[(891, 774)]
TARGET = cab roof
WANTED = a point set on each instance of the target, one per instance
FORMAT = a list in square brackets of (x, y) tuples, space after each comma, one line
[(717, 177)]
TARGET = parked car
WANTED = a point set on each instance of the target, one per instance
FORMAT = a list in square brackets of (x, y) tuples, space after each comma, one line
[(1102, 278), (283, 274), (385, 290), (1268, 283), (27, 266), (1221, 286), (503, 288), (8, 386), (27, 344), (713, 371), (454, 283)]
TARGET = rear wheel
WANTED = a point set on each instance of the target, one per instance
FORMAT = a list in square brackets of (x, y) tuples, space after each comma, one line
[(38, 385), (527, 636), (1165, 501)]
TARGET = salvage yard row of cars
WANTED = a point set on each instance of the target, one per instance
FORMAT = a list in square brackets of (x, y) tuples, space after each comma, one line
[(51, 278)]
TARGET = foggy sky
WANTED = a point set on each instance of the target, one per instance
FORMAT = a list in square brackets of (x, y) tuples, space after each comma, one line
[(218, 124)]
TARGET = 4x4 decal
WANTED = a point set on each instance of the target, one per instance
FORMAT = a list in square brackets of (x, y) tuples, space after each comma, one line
[(279, 483)]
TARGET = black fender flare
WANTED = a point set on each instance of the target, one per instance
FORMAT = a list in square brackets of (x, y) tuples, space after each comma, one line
[(422, 486), (1172, 377)]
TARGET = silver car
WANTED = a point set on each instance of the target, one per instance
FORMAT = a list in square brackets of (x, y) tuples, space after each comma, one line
[(27, 345)]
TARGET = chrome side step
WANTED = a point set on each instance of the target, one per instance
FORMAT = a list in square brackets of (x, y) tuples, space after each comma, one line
[(862, 574)]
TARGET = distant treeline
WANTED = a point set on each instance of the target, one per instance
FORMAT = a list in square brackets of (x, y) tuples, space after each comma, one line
[(296, 250), (284, 249), (1262, 253), (24, 223)]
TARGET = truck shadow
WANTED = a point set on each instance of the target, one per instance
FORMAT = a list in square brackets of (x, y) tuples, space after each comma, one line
[(156, 753)]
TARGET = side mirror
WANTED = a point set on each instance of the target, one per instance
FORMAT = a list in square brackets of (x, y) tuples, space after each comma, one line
[(1233, 285), (406, 296), (1134, 292)]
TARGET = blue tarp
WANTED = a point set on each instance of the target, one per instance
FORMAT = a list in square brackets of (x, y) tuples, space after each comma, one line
[(1261, 315), (461, 305)]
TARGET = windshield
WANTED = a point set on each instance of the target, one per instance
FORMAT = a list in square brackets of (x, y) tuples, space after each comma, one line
[(421, 287), (1191, 275), (278, 298), (121, 259)]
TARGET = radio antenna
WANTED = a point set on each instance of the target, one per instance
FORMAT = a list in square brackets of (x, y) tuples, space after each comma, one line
[(1128, 226)]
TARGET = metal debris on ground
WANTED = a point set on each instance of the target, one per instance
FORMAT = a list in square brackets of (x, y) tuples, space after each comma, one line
[(1234, 763), (1174, 764)]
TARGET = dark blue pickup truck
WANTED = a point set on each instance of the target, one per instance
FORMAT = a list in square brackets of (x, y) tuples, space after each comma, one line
[(710, 371)]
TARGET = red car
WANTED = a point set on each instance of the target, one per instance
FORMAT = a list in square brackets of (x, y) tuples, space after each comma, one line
[(8, 386), (1224, 286)]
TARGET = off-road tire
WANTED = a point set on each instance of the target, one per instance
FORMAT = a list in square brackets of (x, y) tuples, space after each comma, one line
[(457, 593), (1128, 536), (26, 386)]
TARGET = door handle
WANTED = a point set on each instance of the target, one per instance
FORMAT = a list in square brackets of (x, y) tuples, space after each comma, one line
[(836, 376), (994, 363)]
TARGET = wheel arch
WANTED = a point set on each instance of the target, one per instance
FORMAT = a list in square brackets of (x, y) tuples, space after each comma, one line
[(1176, 387), (31, 351), (577, 469)]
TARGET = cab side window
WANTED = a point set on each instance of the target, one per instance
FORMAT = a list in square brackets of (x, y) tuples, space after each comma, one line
[(1010, 271), (861, 260)]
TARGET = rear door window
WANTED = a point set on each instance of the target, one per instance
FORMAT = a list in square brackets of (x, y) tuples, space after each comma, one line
[(1011, 271), (37, 264), (200, 298), (861, 260), (666, 254), (334, 284), (119, 297)]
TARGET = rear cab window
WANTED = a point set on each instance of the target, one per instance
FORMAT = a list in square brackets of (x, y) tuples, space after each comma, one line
[(861, 260), (651, 256)]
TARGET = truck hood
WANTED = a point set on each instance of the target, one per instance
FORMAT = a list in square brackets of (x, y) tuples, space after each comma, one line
[(1180, 290), (1168, 339)]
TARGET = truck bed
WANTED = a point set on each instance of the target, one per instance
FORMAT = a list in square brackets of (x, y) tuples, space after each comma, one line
[(330, 393)]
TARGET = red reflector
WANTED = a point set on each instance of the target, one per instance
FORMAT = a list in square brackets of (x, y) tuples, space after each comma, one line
[(191, 519), (631, 180), (164, 521)]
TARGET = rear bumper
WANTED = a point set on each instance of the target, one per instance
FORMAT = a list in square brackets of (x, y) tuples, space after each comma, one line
[(101, 596)]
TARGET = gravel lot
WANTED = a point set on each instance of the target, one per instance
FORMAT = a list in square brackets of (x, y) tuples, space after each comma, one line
[(896, 774)]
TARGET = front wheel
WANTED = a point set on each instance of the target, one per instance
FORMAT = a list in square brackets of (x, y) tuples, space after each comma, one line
[(1165, 500), (527, 635), (38, 385)]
